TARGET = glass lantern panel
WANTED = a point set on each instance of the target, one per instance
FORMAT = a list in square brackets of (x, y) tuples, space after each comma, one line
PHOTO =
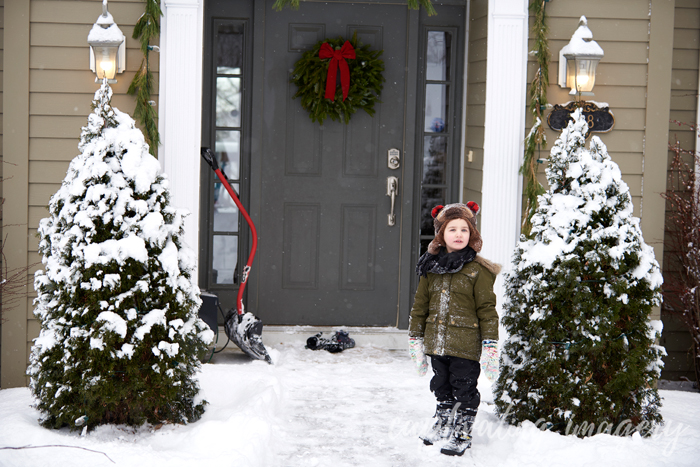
[(229, 49), (570, 73), (228, 102), (434, 159), (226, 217), (438, 56), (436, 107), (106, 61), (585, 74), (225, 259), (227, 150), (580, 74)]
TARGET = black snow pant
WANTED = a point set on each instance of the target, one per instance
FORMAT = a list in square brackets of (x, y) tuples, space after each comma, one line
[(454, 379)]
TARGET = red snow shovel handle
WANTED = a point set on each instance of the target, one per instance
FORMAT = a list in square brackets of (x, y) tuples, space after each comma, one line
[(211, 160)]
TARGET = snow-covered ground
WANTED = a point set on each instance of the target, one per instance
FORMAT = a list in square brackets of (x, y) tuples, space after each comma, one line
[(363, 407)]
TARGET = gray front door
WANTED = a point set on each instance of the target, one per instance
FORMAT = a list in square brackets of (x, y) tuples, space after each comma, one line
[(327, 254)]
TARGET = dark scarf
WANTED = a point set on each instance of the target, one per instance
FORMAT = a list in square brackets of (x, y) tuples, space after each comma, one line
[(444, 262)]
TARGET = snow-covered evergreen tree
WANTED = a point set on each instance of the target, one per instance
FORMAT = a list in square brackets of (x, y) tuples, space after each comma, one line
[(120, 336), (581, 355)]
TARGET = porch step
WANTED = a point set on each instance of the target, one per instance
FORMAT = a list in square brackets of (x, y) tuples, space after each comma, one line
[(386, 337)]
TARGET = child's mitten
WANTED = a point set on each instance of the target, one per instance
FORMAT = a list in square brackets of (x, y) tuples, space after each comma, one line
[(489, 359), (415, 348)]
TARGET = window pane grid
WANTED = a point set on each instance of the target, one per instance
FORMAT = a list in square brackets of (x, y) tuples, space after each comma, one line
[(228, 84), (436, 140)]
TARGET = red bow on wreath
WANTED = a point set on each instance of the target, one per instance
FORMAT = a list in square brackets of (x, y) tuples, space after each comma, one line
[(337, 56)]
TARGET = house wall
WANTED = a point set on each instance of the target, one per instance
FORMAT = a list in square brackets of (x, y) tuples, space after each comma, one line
[(476, 101), (684, 100), (634, 79), (621, 28), (51, 89), (15, 142), (2, 35)]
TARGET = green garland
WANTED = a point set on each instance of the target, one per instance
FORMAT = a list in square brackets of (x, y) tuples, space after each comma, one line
[(146, 28), (412, 4), (366, 82), (538, 102)]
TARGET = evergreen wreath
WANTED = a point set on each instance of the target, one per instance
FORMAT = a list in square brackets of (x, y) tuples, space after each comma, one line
[(366, 82)]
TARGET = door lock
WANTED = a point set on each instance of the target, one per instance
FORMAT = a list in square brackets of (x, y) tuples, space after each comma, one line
[(392, 189), (394, 158)]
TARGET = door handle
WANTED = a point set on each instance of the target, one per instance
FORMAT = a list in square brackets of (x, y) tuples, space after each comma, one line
[(392, 189)]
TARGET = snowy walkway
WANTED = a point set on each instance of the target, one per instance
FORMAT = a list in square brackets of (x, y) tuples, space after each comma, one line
[(363, 407)]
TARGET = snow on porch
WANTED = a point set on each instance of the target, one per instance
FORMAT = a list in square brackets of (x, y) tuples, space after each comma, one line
[(390, 338)]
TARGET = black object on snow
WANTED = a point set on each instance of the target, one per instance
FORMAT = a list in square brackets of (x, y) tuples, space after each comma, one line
[(339, 342), (245, 330), (207, 312), (461, 439), (443, 425)]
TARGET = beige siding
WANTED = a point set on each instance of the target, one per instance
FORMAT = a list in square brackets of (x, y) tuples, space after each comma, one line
[(13, 356), (2, 163), (684, 89), (621, 28), (2, 35), (61, 87), (476, 97)]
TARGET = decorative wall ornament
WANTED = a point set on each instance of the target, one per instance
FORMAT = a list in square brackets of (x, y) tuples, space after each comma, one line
[(599, 119), (316, 76)]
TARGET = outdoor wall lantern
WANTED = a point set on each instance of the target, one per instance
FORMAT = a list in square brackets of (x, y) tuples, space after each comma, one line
[(107, 47), (578, 61)]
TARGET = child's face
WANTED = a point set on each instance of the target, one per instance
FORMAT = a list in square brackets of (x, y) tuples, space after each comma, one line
[(456, 235)]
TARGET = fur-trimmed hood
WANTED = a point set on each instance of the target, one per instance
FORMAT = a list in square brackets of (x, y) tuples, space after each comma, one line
[(493, 267)]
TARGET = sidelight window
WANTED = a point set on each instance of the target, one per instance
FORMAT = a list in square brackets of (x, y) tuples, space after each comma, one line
[(228, 87), (438, 127)]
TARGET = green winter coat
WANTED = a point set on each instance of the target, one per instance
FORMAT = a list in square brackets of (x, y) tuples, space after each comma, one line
[(453, 313)]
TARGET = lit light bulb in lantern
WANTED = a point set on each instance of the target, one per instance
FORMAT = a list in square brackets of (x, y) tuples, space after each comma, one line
[(106, 66), (582, 80)]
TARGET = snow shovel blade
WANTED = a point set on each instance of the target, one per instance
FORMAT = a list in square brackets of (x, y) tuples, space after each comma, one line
[(245, 331)]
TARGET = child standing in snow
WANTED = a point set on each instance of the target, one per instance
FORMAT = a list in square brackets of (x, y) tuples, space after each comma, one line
[(453, 318)]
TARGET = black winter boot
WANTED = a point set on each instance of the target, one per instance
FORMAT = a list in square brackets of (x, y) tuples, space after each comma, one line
[(461, 438), (442, 428)]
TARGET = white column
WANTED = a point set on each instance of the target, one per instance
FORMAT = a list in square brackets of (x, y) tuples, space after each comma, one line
[(504, 132), (180, 102)]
